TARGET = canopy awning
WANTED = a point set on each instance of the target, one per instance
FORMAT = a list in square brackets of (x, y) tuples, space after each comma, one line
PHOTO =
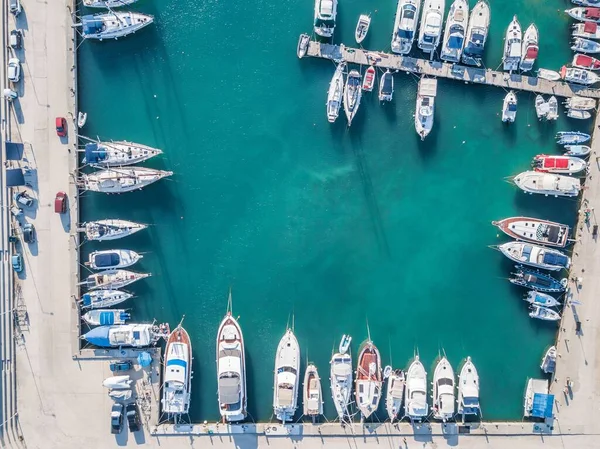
[(542, 405)]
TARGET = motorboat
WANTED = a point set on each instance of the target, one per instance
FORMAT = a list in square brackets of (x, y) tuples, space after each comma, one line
[(104, 317), (548, 364), (362, 28), (585, 45), (535, 230), (367, 389), (425, 109), (535, 256), (335, 93), (369, 79), (586, 2), (468, 390), (405, 25), (352, 95), (547, 184), (325, 15), (541, 299), (387, 371), (579, 115), (443, 390), (177, 374), (558, 164), (580, 103), (477, 32), (509, 107), (107, 4), (415, 392), (120, 395), (394, 394), (549, 75), (121, 180), (578, 150), (118, 154), (455, 31), (585, 62), (286, 379), (103, 298), (584, 14), (386, 86), (231, 368), (126, 335), (312, 393), (542, 313), (118, 382), (571, 137), (587, 30), (113, 24), (345, 344), (113, 279), (111, 259), (341, 379), (552, 108), (432, 20), (541, 107), (530, 49), (512, 46), (579, 76), (537, 280), (110, 229), (81, 119), (303, 42)]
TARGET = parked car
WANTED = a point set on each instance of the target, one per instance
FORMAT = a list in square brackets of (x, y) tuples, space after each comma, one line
[(133, 417), (61, 126), (60, 203), (15, 7), (15, 40), (14, 70), (17, 262), (29, 233), (23, 199), (116, 418), (121, 365)]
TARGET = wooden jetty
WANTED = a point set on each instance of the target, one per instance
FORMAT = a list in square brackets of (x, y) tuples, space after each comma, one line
[(457, 72)]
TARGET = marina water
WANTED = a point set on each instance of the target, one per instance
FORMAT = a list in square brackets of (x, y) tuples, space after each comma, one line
[(334, 226)]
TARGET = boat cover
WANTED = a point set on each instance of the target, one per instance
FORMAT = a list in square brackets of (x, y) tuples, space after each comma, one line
[(556, 259), (86, 300), (542, 405), (590, 27), (552, 233), (586, 61), (98, 336), (107, 318), (106, 260), (532, 52), (94, 153), (552, 162), (91, 25), (455, 41), (592, 13), (229, 390)]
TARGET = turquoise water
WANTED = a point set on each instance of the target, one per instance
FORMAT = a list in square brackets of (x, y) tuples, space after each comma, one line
[(335, 226)]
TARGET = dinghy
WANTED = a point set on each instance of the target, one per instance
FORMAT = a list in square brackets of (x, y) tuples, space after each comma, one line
[(541, 107), (352, 95), (548, 364), (587, 30), (578, 150), (552, 108), (549, 75), (103, 298), (362, 28), (571, 137), (535, 256), (386, 86), (286, 378), (558, 164), (107, 4), (477, 33), (581, 103), (368, 379), (121, 180), (541, 299), (103, 317), (443, 391), (113, 279), (112, 259), (415, 392), (405, 25), (118, 382), (542, 313), (335, 93), (369, 79), (81, 119), (312, 393), (547, 184), (585, 62), (512, 46), (579, 76), (454, 34), (585, 45), (394, 393), (584, 14), (345, 344), (530, 48), (509, 108), (537, 280), (468, 390), (341, 378), (303, 42), (579, 115), (110, 229), (113, 24), (535, 230), (118, 154)]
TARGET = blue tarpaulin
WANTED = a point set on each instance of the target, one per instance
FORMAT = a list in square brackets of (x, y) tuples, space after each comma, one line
[(542, 405), (14, 151), (144, 359), (14, 177)]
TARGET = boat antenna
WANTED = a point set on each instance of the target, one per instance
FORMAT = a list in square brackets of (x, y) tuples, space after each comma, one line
[(181, 322), (368, 330), (229, 303)]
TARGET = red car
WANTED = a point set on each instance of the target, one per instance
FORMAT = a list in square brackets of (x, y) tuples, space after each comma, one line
[(61, 126), (60, 203)]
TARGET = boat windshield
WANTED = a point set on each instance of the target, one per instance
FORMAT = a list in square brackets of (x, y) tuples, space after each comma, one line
[(405, 34)]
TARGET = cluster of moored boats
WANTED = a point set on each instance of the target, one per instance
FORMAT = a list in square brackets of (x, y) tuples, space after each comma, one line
[(111, 24)]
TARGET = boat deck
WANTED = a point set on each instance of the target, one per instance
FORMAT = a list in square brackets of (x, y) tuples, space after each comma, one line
[(450, 71)]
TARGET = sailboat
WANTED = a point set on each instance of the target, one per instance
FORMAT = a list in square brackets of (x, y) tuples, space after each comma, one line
[(352, 95), (312, 393), (509, 108), (286, 379), (368, 379), (405, 25), (341, 378), (530, 48), (335, 93), (454, 34), (103, 298), (112, 279), (477, 32), (415, 392), (432, 19), (231, 368), (107, 4), (394, 393), (113, 24), (468, 390), (110, 229), (121, 180), (118, 154), (425, 109), (443, 390), (177, 374), (512, 46), (112, 259)]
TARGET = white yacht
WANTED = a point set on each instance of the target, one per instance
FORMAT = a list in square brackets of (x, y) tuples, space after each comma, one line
[(177, 374), (118, 154), (335, 93), (111, 259), (113, 24), (113, 279), (432, 20), (107, 4), (479, 25), (231, 368), (547, 184), (110, 229), (455, 32), (286, 379), (394, 394), (325, 15), (415, 392), (509, 107), (535, 256), (386, 86), (405, 25), (579, 76), (312, 392), (425, 110), (541, 107), (368, 379), (341, 381), (443, 390), (512, 46), (352, 95), (103, 298), (552, 109), (121, 180), (105, 317), (548, 364), (468, 390), (530, 48), (126, 335)]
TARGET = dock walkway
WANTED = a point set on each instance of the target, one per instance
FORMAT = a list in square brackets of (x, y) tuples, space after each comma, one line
[(451, 71)]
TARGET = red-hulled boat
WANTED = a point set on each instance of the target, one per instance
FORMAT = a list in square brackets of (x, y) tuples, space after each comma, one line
[(586, 62), (369, 79), (535, 230), (558, 164)]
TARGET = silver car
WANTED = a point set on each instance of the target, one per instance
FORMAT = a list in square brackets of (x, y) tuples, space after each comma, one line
[(14, 70)]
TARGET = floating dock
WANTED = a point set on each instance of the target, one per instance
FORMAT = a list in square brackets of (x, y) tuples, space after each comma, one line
[(457, 72)]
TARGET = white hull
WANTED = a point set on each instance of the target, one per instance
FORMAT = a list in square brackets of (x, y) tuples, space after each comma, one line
[(468, 390), (541, 299), (552, 108), (455, 32), (548, 364), (105, 4), (121, 180), (566, 165), (118, 154), (581, 103), (571, 138), (362, 28), (113, 259), (325, 16), (544, 314), (312, 392), (535, 256), (367, 389), (443, 391), (386, 86), (512, 46), (394, 394), (579, 76), (111, 229), (535, 230), (547, 184), (352, 95), (415, 392), (133, 335), (530, 48), (286, 379), (405, 25), (583, 14), (579, 115), (117, 382), (425, 108), (479, 24), (549, 75), (101, 317), (586, 31), (432, 20), (585, 45), (578, 150), (114, 24), (113, 279), (177, 374), (335, 93), (509, 108), (103, 298)]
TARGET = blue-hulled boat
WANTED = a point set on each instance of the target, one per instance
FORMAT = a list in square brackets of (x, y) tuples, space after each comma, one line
[(536, 280), (571, 137)]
